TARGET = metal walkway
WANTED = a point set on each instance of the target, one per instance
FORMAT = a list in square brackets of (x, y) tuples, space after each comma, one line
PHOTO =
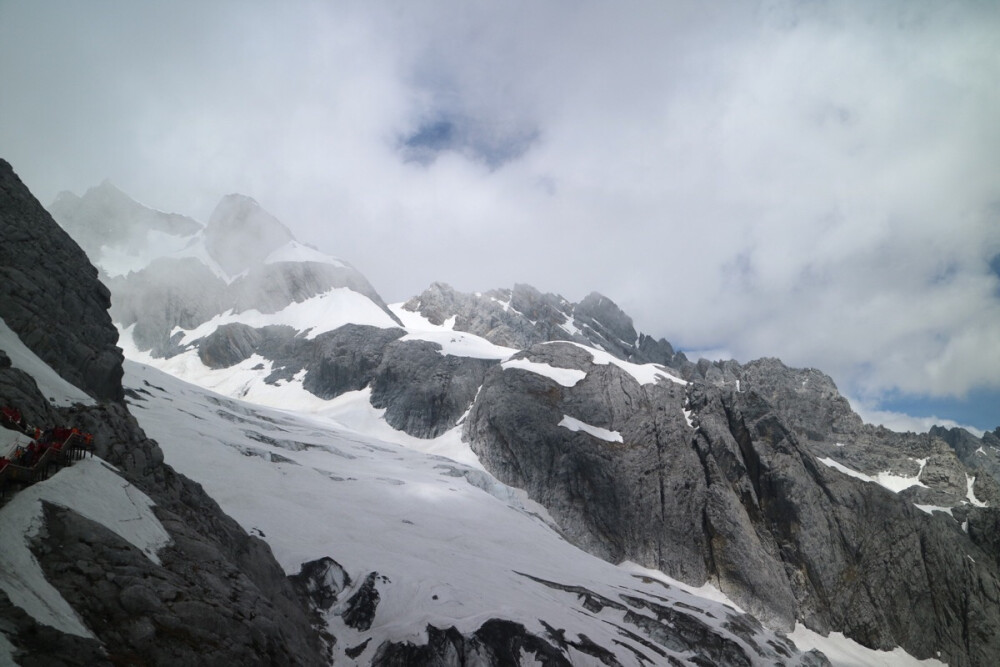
[(47, 451)]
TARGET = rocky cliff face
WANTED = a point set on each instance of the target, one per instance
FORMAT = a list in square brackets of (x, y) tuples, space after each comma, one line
[(51, 297), (216, 596), (737, 498), (943, 465), (977, 453)]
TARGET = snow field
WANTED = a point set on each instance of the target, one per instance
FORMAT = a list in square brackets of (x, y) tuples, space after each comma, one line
[(430, 525), (843, 652), (319, 314), (453, 543), (455, 343)]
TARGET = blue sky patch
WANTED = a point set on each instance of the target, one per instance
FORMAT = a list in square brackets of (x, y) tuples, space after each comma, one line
[(980, 408), (493, 144)]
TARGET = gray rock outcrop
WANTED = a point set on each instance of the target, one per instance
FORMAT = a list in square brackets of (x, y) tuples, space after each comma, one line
[(666, 635), (977, 453), (347, 359), (50, 295), (168, 293), (424, 392), (808, 402), (523, 316)]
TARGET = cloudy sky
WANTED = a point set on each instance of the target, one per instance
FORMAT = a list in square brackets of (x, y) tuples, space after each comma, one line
[(818, 181)]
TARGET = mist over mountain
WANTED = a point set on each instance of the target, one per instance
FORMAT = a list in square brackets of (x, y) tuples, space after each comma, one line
[(755, 479), (119, 558)]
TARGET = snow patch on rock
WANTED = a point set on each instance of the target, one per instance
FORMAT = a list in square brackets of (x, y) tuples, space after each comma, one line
[(458, 344), (574, 424), (643, 373), (970, 481), (930, 509), (889, 480), (567, 377), (319, 314)]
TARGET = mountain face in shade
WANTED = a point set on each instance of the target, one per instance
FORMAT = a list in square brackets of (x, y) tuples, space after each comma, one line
[(757, 479), (50, 295)]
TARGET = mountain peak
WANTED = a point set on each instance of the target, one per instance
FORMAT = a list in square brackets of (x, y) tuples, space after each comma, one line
[(241, 234), (607, 319), (105, 215)]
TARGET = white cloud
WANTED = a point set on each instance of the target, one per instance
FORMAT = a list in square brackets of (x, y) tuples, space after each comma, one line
[(805, 180)]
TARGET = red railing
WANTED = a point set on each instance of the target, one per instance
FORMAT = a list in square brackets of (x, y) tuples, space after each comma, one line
[(45, 455)]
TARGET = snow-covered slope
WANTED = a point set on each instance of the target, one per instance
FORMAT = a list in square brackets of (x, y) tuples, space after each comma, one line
[(255, 379), (451, 546)]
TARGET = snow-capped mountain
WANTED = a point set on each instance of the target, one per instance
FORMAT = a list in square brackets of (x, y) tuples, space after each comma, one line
[(168, 272), (563, 428)]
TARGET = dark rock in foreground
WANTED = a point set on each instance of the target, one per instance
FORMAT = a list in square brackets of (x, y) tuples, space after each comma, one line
[(50, 295)]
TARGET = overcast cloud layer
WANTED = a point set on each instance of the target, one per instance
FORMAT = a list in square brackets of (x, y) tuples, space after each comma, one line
[(817, 181)]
